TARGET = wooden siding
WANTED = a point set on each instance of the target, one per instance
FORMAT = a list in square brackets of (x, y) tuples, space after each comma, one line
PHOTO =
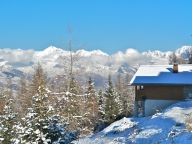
[(160, 92)]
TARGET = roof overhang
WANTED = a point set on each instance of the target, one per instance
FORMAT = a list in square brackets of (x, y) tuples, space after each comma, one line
[(158, 84), (162, 75)]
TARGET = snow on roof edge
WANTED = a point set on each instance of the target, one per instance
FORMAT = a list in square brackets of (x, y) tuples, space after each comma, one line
[(162, 75)]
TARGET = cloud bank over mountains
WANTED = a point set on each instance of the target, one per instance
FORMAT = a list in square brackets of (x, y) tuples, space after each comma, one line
[(56, 60), (16, 63)]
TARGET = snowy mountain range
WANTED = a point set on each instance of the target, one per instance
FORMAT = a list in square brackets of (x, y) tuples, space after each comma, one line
[(17, 63)]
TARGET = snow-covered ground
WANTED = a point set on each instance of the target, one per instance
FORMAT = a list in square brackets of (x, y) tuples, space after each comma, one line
[(167, 127)]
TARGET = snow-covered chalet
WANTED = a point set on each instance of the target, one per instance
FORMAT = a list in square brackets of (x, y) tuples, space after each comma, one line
[(158, 86)]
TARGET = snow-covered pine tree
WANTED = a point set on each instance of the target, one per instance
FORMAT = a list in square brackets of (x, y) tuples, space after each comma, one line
[(74, 88), (68, 104), (125, 95), (23, 98), (91, 106), (73, 110), (39, 78), (59, 132), (111, 105), (41, 125), (36, 121), (100, 121), (8, 117), (129, 92), (7, 122), (101, 107), (119, 85)]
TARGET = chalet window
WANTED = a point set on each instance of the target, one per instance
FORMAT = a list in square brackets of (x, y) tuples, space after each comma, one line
[(138, 87), (141, 87)]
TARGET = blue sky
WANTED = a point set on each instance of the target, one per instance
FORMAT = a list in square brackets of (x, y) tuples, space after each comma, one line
[(109, 25)]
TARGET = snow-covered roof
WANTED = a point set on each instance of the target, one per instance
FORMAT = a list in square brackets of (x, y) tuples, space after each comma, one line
[(162, 75)]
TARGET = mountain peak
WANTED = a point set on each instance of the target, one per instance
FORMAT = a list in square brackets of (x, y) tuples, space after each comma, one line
[(85, 53), (51, 49)]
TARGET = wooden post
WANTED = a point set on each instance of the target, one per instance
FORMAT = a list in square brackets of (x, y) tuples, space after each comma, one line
[(143, 105), (143, 108), (136, 103), (136, 108)]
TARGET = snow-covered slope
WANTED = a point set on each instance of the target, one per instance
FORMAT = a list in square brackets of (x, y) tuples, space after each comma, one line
[(167, 127)]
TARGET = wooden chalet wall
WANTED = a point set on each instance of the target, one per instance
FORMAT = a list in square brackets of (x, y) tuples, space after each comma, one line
[(159, 92)]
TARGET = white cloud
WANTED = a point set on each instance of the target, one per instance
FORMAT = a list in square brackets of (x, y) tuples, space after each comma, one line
[(94, 61), (130, 56), (15, 56)]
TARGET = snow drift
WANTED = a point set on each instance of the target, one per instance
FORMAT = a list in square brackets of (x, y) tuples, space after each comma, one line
[(162, 128)]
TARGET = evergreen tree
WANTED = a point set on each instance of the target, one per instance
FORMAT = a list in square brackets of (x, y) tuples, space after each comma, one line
[(39, 78), (74, 87), (59, 133), (23, 97), (8, 119), (111, 105), (125, 95), (101, 110), (69, 105), (91, 104), (7, 122), (121, 97), (129, 93), (91, 99), (37, 120), (41, 125), (74, 91)]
